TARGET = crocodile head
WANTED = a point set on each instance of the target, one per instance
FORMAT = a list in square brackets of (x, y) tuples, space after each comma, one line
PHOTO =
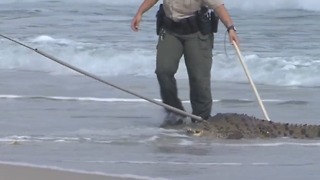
[(195, 132), (200, 130), (205, 129)]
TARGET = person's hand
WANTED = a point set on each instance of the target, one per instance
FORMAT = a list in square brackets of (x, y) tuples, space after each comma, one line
[(233, 37), (136, 22)]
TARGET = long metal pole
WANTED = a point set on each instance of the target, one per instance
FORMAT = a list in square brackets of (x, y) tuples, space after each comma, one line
[(251, 81), (176, 110)]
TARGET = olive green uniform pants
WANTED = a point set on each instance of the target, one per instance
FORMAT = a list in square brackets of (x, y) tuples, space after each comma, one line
[(197, 51)]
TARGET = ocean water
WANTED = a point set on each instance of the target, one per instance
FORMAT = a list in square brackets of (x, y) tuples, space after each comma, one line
[(54, 117)]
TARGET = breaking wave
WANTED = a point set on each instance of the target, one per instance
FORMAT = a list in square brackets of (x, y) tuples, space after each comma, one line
[(105, 60)]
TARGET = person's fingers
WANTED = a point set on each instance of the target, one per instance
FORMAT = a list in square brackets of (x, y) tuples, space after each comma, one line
[(135, 23), (233, 38), (236, 40), (134, 26)]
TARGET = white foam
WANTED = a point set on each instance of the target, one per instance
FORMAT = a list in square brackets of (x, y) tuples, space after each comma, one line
[(150, 139), (123, 133), (185, 142), (21, 138), (128, 100), (185, 163), (152, 135), (244, 4), (43, 38), (48, 39)]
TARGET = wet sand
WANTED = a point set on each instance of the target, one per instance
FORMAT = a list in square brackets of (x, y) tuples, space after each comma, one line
[(20, 172)]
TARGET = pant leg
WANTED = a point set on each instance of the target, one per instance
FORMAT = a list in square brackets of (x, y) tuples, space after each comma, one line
[(198, 58), (169, 53)]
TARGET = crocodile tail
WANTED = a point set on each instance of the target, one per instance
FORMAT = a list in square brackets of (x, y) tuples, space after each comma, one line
[(302, 131), (272, 129)]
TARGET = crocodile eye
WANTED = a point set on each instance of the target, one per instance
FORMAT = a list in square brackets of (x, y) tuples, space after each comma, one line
[(196, 131)]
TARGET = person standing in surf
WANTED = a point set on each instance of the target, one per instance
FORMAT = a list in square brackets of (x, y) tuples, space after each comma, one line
[(186, 27)]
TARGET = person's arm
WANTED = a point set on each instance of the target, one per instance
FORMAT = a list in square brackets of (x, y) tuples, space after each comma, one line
[(145, 6), (227, 21), (224, 15)]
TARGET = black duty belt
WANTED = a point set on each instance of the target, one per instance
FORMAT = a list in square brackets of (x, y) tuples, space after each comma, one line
[(183, 26), (204, 21)]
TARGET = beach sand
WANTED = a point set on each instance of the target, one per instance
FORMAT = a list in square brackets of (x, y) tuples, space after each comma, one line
[(20, 172)]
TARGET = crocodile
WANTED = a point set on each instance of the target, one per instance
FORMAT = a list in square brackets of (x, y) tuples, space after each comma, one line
[(243, 126)]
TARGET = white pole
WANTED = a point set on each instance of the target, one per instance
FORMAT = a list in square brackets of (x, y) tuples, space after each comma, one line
[(250, 80)]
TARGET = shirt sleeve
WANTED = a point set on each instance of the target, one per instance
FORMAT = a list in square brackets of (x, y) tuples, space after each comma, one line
[(213, 4)]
